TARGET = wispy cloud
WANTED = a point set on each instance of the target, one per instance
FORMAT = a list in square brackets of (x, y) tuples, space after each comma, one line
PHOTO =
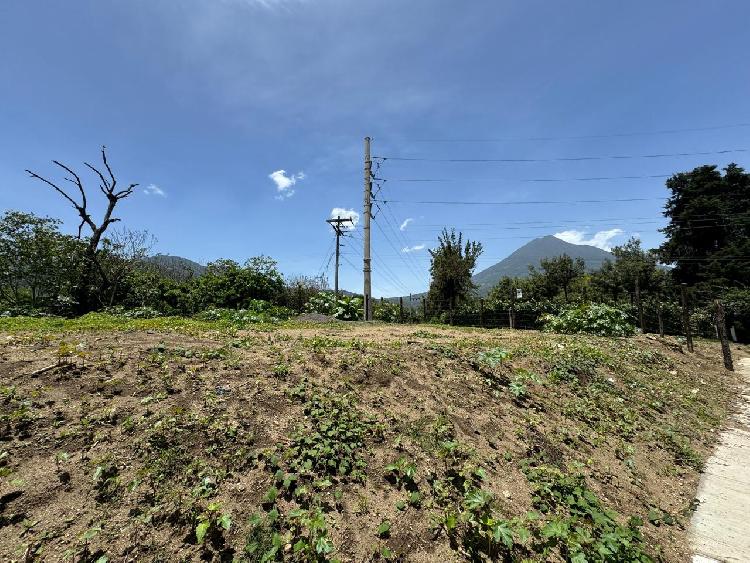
[(406, 223), (601, 239), (153, 189), (415, 248), (285, 183), (346, 214)]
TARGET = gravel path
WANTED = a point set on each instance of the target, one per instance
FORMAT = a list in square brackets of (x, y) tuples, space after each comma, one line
[(720, 528)]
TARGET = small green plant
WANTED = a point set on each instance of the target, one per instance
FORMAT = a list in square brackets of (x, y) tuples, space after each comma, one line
[(211, 524), (106, 481), (493, 357), (384, 529), (401, 472)]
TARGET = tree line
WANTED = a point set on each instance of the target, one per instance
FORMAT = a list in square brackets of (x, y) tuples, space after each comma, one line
[(706, 247), (43, 270)]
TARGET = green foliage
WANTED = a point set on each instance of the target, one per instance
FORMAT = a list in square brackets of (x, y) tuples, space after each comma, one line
[(211, 523), (38, 264), (557, 273), (402, 472), (386, 311), (577, 525), (451, 267), (345, 308), (257, 311), (332, 443), (597, 319), (493, 357), (720, 205)]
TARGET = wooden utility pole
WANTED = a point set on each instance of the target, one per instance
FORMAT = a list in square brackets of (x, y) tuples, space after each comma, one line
[(367, 266), (721, 326), (481, 313), (401, 309), (686, 317), (336, 224), (511, 309), (424, 310)]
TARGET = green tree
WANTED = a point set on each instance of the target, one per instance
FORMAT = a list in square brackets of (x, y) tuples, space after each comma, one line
[(451, 268), (37, 262), (708, 236), (558, 273)]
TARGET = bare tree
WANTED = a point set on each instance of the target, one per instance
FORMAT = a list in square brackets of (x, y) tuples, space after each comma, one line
[(123, 251), (108, 186)]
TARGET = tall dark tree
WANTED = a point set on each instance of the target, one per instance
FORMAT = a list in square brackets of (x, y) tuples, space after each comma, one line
[(708, 236), (91, 267), (451, 268)]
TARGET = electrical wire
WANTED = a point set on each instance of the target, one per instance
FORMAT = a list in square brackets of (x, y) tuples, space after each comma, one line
[(563, 158), (593, 136)]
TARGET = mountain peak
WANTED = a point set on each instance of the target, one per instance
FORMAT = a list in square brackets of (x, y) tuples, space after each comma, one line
[(530, 254)]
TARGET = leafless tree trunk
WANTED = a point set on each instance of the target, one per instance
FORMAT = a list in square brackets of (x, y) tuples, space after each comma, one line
[(108, 186)]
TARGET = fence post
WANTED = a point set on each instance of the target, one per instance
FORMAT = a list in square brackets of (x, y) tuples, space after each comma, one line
[(686, 317), (721, 326), (401, 309), (660, 317), (450, 305), (424, 310), (481, 313), (639, 304)]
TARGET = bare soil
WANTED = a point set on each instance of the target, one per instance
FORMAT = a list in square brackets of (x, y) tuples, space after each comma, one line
[(118, 449)]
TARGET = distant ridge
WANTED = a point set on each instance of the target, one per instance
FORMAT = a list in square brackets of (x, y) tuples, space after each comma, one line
[(176, 267), (530, 254)]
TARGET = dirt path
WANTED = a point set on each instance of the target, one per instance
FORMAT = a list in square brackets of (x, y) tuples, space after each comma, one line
[(721, 526)]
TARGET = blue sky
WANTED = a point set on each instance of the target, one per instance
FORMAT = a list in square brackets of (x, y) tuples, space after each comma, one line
[(209, 101)]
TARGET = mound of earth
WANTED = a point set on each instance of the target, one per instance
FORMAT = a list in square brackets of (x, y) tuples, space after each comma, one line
[(352, 442)]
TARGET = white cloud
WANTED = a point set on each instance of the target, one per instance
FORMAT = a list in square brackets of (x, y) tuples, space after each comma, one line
[(153, 189), (406, 223), (284, 183), (346, 214), (415, 248), (601, 239)]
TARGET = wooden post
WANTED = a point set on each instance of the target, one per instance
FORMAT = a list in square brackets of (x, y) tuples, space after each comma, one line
[(639, 305), (660, 317), (481, 313), (424, 309), (721, 326), (401, 309), (686, 317), (450, 306)]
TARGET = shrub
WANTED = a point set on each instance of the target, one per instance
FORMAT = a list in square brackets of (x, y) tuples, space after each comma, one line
[(598, 319), (258, 311), (345, 308)]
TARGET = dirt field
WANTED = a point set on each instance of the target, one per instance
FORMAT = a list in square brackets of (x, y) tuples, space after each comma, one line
[(351, 442)]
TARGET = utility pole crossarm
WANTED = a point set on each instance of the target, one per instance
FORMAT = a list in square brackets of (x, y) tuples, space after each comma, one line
[(337, 228)]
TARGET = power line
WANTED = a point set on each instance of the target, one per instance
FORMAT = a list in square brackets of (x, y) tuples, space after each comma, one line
[(594, 136), (528, 180), (541, 202), (561, 159), (383, 267)]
